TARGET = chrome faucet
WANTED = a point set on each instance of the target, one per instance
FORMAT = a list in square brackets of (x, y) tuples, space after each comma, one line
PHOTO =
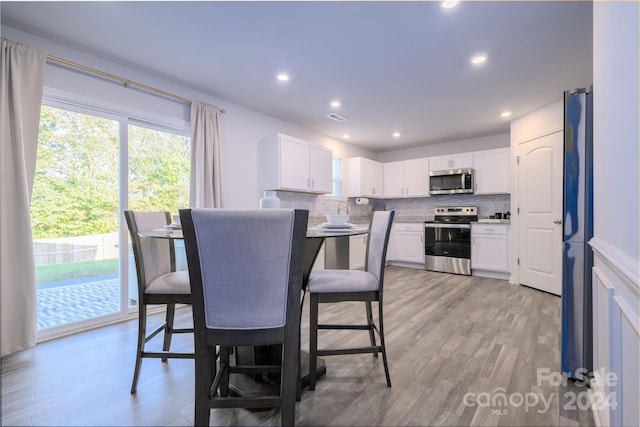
[(346, 207)]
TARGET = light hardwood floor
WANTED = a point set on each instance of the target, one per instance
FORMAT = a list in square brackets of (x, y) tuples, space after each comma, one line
[(462, 351)]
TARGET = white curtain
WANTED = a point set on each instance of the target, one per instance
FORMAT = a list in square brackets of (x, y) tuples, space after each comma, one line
[(21, 83), (206, 185)]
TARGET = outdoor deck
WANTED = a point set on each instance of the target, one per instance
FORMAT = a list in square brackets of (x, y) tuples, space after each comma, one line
[(59, 305)]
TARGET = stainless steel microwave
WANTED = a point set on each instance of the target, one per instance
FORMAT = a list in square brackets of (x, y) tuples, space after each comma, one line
[(451, 181)]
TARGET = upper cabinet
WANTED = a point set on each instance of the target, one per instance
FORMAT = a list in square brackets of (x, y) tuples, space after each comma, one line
[(408, 178), (453, 161), (491, 171), (292, 164), (364, 178)]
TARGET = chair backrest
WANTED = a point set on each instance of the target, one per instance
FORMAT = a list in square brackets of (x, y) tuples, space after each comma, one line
[(245, 266), (378, 242), (153, 257)]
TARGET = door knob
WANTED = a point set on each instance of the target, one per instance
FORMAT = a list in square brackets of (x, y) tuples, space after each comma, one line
[(557, 221)]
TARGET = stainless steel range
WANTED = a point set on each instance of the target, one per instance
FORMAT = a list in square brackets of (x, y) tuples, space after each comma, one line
[(447, 239)]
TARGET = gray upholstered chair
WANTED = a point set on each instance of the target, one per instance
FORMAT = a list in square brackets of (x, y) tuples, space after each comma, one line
[(246, 269), (332, 286), (158, 284)]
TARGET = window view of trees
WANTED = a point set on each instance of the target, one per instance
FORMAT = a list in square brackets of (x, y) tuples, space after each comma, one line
[(75, 190), (159, 165), (76, 186)]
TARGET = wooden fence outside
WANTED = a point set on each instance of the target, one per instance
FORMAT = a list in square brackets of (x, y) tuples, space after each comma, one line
[(75, 249)]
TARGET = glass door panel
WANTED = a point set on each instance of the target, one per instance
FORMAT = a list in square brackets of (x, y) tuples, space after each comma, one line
[(158, 180), (75, 217)]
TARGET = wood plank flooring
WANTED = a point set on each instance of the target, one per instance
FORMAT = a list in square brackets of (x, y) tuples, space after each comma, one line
[(462, 351)]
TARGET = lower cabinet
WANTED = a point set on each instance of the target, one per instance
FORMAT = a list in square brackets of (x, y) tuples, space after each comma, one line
[(490, 249), (406, 244)]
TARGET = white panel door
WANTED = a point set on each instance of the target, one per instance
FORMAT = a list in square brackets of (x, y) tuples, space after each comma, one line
[(540, 209)]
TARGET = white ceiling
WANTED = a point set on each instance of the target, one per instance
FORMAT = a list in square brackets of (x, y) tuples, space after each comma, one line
[(395, 66)]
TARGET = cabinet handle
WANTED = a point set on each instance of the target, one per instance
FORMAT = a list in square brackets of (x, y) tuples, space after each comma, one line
[(313, 183), (557, 221)]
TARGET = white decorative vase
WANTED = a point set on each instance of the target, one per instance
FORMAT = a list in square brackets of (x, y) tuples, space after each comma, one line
[(269, 200)]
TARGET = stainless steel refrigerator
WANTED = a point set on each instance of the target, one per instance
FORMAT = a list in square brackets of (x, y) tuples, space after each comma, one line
[(577, 324)]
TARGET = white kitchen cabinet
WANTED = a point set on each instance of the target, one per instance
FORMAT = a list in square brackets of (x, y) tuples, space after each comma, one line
[(393, 179), (320, 169), (409, 178), (490, 247), (292, 164), (357, 251), (491, 171), (364, 178), (406, 243), (453, 161)]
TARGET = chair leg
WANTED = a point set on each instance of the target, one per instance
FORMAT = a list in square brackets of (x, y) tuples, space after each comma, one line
[(372, 336), (224, 360), (313, 340), (289, 375), (168, 328), (142, 333), (299, 372), (382, 345), (203, 383)]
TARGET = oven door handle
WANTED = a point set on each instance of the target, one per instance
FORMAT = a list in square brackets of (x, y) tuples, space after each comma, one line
[(447, 225)]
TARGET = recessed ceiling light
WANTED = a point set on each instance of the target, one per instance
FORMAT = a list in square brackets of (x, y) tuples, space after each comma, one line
[(505, 114), (346, 136), (396, 134), (283, 77), (478, 59), (335, 104), (448, 4)]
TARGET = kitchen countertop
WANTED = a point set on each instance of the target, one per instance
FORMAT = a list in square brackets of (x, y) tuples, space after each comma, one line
[(492, 221), (315, 220)]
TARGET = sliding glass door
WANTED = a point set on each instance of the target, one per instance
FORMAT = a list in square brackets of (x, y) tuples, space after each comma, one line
[(89, 168)]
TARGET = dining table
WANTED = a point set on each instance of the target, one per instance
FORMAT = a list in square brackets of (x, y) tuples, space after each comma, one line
[(336, 239), (337, 245)]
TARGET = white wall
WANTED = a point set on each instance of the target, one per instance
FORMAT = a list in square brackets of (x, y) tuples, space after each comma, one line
[(452, 147), (241, 129), (616, 229), (616, 117)]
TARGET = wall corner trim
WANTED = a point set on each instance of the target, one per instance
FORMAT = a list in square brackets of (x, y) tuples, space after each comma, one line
[(624, 265)]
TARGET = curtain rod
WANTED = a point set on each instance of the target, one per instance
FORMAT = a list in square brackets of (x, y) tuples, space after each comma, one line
[(125, 82)]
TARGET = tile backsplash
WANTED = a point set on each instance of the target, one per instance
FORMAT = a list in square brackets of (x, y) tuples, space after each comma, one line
[(423, 206), (418, 209)]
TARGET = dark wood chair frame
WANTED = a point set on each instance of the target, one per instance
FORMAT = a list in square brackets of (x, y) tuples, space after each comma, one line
[(145, 299), (211, 382), (315, 299)]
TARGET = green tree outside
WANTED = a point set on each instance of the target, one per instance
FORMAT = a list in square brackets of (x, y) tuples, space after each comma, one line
[(76, 185)]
